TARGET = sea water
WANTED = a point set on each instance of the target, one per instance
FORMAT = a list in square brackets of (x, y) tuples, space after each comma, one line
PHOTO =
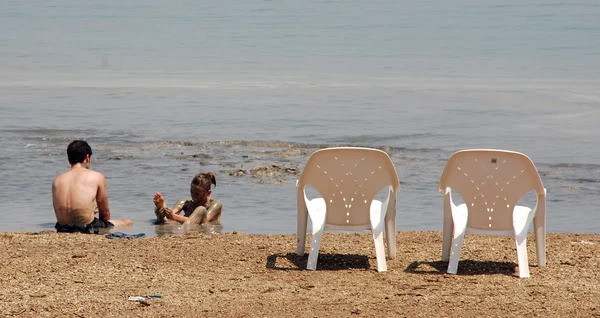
[(165, 89)]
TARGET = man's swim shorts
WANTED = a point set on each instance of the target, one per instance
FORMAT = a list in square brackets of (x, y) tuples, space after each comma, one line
[(92, 228)]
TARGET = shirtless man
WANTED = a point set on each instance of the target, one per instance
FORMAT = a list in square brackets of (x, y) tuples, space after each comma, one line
[(74, 191)]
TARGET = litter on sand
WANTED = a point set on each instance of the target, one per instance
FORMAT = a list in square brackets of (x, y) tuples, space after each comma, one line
[(144, 300)]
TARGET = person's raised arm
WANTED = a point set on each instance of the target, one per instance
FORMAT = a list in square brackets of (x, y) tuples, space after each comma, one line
[(102, 199), (162, 210)]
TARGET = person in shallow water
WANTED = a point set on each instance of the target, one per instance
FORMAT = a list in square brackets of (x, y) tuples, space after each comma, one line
[(198, 209), (74, 192)]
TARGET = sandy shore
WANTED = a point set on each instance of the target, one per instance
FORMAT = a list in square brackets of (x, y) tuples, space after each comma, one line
[(236, 275)]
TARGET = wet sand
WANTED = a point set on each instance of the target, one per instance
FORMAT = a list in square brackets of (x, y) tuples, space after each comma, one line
[(236, 275)]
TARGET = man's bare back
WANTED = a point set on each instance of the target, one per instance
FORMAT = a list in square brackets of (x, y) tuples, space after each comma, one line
[(74, 192), (73, 195)]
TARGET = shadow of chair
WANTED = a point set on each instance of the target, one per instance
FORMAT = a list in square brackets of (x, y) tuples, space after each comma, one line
[(326, 261), (467, 267)]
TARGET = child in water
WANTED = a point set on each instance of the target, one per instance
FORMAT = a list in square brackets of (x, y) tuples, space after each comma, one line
[(198, 209)]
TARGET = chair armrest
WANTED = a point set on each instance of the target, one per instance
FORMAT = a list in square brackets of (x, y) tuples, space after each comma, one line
[(448, 197)]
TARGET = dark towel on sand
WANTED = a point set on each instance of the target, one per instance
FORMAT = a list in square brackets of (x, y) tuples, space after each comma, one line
[(115, 235)]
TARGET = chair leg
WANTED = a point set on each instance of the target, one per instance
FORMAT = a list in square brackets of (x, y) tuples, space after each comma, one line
[(315, 245), (539, 228), (301, 231), (379, 248), (521, 239), (447, 239), (456, 246), (448, 227), (390, 235)]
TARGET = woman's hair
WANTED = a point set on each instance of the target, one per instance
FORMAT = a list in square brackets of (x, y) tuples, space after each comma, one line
[(202, 182)]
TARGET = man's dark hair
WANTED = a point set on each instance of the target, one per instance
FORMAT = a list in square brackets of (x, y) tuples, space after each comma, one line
[(77, 151)]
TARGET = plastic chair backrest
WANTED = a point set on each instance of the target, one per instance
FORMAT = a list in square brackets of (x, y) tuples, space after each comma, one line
[(348, 179), (490, 182)]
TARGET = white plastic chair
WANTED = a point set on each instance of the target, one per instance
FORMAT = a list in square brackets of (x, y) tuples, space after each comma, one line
[(348, 179), (491, 183)]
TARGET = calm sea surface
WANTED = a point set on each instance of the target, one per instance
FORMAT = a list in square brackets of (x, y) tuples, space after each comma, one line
[(164, 89)]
